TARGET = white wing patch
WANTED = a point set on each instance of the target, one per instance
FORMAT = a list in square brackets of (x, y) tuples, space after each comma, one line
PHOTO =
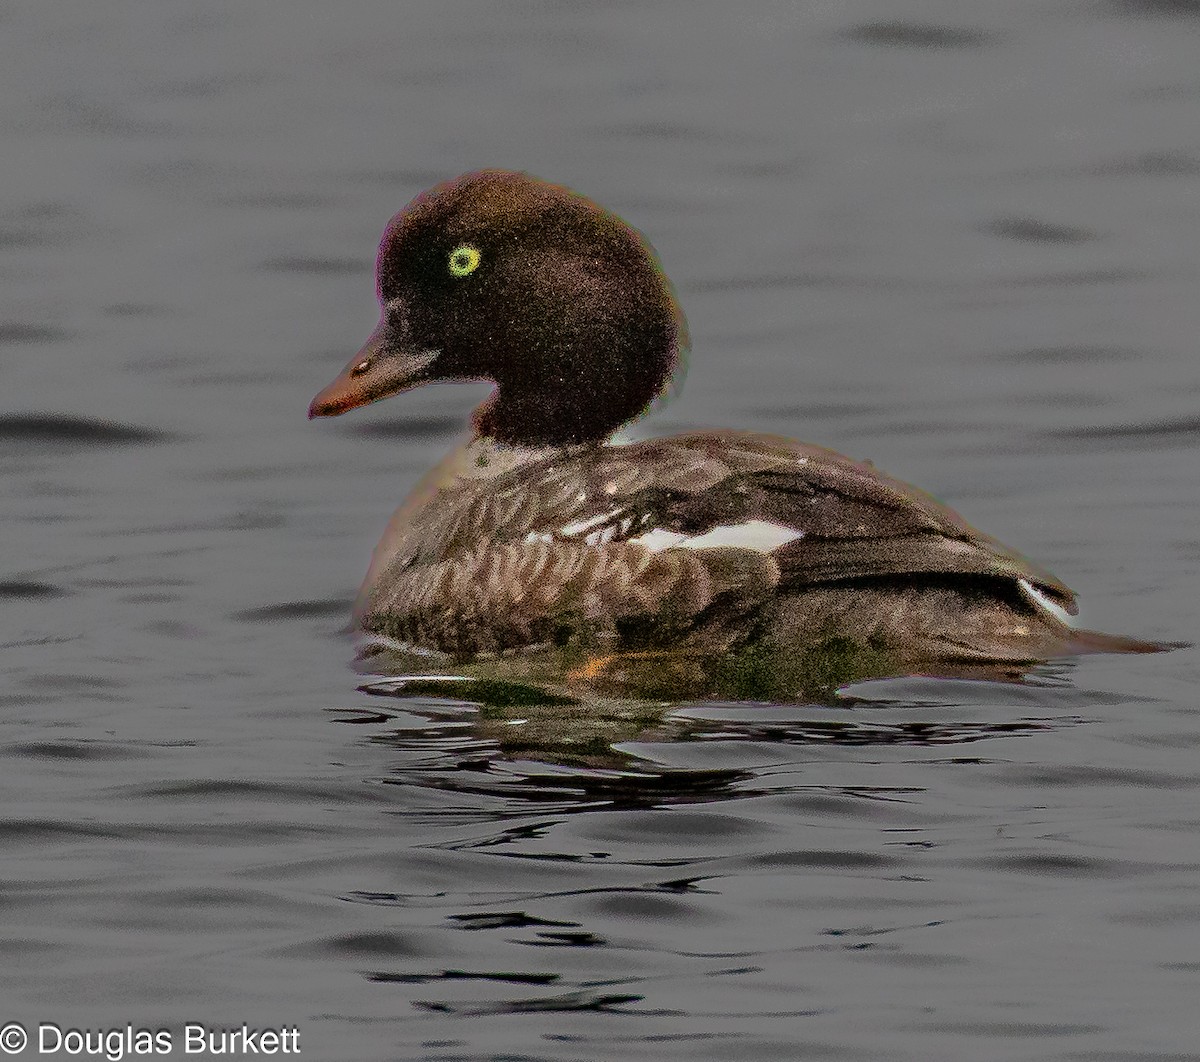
[(658, 539), (761, 535), (594, 531), (582, 527), (1040, 599)]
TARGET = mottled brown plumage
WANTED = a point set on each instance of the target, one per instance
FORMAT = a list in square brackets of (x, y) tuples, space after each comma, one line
[(539, 531), (495, 564)]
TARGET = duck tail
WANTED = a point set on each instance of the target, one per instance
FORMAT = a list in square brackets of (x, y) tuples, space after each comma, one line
[(1082, 641)]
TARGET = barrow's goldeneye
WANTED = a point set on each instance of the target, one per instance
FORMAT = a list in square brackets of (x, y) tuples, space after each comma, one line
[(540, 530)]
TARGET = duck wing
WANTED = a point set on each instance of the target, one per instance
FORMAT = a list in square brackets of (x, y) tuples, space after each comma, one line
[(823, 517), (859, 522)]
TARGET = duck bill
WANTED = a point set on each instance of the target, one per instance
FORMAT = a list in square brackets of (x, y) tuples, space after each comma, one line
[(386, 365)]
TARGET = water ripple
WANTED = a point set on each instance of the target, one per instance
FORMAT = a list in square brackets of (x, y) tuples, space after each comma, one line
[(30, 589), (318, 266), (1032, 230), (69, 429), (1169, 429), (19, 334), (606, 1002), (927, 35)]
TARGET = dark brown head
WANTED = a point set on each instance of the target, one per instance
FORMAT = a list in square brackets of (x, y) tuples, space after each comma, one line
[(499, 276)]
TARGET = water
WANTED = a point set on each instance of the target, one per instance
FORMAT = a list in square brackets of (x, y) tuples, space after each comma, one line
[(957, 239)]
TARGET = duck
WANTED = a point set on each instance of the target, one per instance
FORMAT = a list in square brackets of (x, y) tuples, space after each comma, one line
[(542, 528)]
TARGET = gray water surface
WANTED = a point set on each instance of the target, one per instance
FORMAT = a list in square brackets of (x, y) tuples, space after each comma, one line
[(957, 239)]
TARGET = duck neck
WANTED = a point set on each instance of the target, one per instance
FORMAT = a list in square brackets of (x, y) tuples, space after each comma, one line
[(569, 417)]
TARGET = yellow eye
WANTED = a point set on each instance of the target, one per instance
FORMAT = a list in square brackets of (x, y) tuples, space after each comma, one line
[(464, 260)]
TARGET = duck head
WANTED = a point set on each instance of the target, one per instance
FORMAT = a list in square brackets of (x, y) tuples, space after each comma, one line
[(500, 276)]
